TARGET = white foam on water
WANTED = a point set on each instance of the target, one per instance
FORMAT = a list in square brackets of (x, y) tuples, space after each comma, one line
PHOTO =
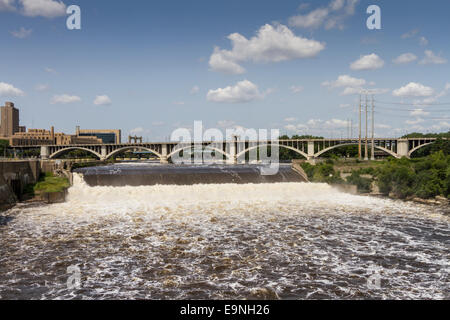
[(287, 240)]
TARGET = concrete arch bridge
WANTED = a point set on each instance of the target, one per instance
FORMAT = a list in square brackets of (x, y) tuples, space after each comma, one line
[(233, 151)]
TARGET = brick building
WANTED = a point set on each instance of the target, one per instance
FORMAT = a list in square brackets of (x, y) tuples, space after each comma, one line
[(18, 136)]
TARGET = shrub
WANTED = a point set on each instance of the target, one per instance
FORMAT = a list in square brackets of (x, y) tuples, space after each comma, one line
[(364, 185)]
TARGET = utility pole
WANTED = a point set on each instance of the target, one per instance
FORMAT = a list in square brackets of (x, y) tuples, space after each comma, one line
[(351, 129), (366, 150), (373, 129), (348, 128), (359, 141)]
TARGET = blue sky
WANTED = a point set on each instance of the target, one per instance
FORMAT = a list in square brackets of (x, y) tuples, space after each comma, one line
[(148, 67)]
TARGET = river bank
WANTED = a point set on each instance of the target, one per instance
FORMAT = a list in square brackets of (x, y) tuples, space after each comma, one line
[(425, 180)]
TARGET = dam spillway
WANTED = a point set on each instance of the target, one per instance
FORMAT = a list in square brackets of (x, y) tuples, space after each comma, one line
[(145, 174)]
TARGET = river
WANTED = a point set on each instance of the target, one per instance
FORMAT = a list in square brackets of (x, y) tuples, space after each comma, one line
[(281, 240)]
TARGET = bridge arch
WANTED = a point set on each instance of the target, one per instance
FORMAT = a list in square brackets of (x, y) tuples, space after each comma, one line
[(112, 154), (318, 154), (419, 147), (61, 151), (170, 155), (240, 154)]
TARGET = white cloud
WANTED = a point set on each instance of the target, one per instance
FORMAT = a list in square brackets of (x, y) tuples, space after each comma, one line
[(368, 62), (9, 90), (103, 100), (431, 58), (295, 128), (353, 86), (345, 81), (290, 127), (290, 119), (443, 125), (313, 20), (351, 91), (433, 99), (344, 105), (271, 44), (22, 33), (336, 124), (242, 92), (219, 62), (64, 99), (331, 16), (195, 89), (405, 58), (318, 124), (50, 70), (7, 5), (297, 89), (413, 89), (423, 41), (43, 8), (314, 122), (179, 103), (414, 122), (410, 34), (42, 87), (419, 112)]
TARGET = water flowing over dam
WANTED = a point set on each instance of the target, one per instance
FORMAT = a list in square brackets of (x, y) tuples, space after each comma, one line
[(150, 174), (287, 240)]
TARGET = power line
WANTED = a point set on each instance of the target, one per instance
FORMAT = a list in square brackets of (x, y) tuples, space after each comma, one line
[(415, 104), (412, 110), (428, 117)]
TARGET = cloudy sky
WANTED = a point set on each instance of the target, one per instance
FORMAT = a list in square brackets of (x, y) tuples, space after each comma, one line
[(148, 67)]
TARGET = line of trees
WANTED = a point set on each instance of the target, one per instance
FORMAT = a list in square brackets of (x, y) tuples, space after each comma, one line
[(424, 178)]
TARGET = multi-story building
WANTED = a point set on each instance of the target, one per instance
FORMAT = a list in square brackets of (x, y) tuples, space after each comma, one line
[(107, 136), (10, 120)]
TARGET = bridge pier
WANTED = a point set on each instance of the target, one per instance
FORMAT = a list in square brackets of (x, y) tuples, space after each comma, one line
[(164, 152), (104, 153), (403, 148), (233, 152), (311, 151), (44, 152)]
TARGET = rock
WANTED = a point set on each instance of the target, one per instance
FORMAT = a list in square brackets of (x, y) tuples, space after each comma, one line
[(53, 197), (425, 201), (442, 200)]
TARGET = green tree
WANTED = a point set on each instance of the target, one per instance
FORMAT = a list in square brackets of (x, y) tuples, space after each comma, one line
[(4, 145)]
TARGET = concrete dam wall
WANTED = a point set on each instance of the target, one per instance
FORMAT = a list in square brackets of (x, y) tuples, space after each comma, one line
[(146, 174), (14, 177)]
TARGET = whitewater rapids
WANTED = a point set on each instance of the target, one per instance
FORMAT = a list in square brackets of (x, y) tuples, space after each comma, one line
[(224, 241)]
